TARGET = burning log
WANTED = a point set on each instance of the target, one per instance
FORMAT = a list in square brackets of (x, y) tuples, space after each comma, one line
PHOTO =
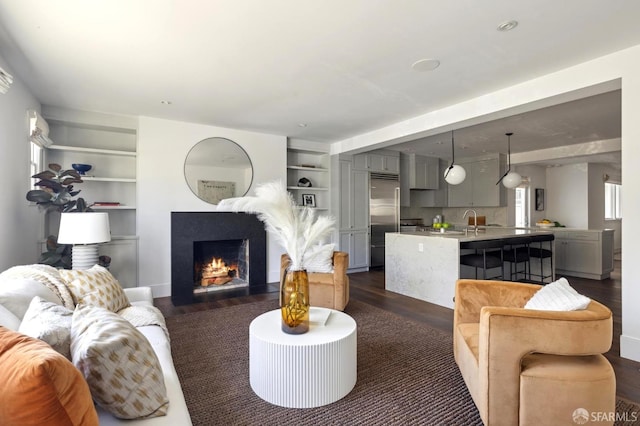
[(217, 273)]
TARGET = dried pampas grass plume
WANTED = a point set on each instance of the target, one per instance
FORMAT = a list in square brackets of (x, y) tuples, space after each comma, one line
[(297, 228)]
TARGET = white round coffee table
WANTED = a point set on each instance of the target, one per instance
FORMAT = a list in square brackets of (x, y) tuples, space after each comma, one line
[(305, 370)]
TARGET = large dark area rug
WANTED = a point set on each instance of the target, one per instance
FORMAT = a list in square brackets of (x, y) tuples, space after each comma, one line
[(406, 373)]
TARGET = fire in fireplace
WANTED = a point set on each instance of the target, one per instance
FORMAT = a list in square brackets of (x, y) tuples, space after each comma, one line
[(220, 265)]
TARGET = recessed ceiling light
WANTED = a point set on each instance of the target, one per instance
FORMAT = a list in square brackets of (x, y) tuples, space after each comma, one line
[(165, 102), (425, 65), (302, 124), (507, 25)]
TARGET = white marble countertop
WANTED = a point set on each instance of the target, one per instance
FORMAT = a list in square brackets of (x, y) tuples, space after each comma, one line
[(489, 233)]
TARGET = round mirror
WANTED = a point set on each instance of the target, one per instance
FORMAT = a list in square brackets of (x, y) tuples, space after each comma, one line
[(218, 168)]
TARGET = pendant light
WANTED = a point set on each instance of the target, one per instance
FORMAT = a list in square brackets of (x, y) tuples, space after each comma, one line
[(509, 179), (455, 174)]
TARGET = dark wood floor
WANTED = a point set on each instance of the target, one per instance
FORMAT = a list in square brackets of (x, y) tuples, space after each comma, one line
[(368, 287)]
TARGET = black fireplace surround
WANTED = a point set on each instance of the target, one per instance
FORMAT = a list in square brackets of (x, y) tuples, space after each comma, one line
[(190, 227)]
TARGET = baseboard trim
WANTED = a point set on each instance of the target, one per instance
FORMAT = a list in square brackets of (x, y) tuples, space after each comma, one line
[(160, 290), (630, 347)]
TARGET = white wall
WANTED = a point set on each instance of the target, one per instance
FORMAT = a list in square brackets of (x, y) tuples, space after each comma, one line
[(20, 222), (617, 70), (162, 148), (567, 196)]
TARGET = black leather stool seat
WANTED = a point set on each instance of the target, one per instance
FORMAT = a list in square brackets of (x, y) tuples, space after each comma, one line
[(488, 255)]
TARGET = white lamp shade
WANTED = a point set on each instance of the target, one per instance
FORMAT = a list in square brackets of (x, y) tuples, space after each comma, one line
[(84, 228), (456, 175), (511, 180)]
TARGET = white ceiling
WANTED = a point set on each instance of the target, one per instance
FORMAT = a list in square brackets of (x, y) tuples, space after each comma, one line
[(341, 67)]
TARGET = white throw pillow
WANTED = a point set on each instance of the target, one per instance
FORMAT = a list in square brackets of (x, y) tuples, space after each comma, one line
[(16, 294), (49, 322), (8, 319), (558, 296), (119, 364), (319, 258)]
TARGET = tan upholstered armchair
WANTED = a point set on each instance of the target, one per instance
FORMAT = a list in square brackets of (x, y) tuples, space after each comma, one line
[(327, 290), (530, 367)]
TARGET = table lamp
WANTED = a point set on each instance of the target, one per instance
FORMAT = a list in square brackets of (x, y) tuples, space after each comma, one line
[(85, 231)]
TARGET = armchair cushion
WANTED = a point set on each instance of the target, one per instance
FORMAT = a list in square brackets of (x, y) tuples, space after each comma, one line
[(327, 290), (558, 296)]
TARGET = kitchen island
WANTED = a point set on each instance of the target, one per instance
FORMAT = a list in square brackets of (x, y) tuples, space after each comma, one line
[(426, 265)]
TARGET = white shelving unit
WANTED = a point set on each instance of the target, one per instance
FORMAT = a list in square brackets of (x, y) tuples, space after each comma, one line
[(109, 144), (311, 163)]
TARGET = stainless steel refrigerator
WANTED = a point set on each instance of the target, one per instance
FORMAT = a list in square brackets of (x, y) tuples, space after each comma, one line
[(384, 209)]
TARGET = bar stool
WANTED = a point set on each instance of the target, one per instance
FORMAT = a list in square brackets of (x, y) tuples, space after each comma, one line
[(516, 253), (536, 250), (488, 255)]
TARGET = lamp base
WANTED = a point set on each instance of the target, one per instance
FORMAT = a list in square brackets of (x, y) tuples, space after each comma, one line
[(84, 256)]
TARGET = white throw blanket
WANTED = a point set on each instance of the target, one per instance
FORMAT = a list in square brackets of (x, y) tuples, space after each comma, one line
[(48, 276), (144, 315), (44, 274)]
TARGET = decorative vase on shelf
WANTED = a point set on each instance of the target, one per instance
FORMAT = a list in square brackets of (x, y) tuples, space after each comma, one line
[(294, 301)]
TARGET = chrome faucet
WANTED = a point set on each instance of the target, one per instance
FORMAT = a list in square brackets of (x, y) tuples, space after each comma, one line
[(475, 220)]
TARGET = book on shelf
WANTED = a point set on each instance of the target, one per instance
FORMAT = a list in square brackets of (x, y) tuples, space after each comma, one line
[(106, 204)]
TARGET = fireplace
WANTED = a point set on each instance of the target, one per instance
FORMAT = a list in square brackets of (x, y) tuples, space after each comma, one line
[(220, 265), (221, 253)]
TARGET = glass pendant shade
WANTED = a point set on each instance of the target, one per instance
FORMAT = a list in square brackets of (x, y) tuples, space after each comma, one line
[(511, 180), (455, 175)]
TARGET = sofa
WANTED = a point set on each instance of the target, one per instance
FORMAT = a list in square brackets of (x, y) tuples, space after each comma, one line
[(27, 288), (533, 355)]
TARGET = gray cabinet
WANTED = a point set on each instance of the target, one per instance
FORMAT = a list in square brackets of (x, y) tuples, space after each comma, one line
[(353, 213), (422, 197), (479, 187), (585, 254), (356, 243), (424, 172), (378, 161)]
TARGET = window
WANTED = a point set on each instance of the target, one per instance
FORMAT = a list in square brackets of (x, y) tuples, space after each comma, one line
[(522, 206), (35, 162), (39, 137), (612, 201)]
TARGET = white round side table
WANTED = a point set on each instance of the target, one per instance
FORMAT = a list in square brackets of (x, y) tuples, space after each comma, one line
[(305, 370)]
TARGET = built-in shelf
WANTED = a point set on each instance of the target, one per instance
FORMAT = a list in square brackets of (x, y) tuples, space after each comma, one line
[(113, 207), (311, 169), (92, 150), (306, 188), (109, 144), (108, 179), (309, 161)]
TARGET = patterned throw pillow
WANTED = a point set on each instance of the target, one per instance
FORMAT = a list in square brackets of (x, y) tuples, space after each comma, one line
[(97, 287), (118, 362), (49, 322)]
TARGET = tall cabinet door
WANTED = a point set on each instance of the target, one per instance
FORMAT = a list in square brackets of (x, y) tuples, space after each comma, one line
[(346, 196), (356, 244), (360, 199)]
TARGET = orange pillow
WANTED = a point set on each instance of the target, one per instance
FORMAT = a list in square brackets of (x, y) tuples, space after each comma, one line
[(38, 386)]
